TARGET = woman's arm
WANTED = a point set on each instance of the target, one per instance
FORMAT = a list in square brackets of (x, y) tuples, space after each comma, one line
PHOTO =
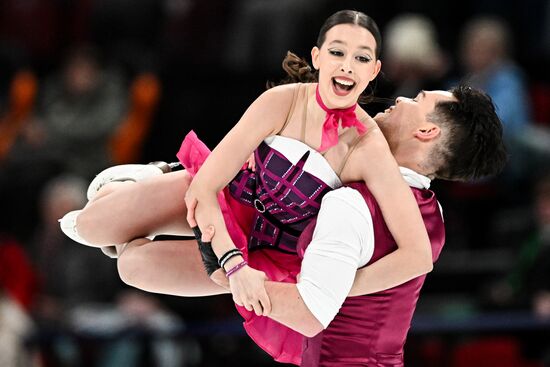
[(373, 163), (263, 118)]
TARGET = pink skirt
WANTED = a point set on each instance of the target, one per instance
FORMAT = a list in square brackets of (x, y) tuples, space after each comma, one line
[(281, 342)]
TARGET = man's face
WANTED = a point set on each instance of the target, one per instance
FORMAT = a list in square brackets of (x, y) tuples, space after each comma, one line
[(408, 117)]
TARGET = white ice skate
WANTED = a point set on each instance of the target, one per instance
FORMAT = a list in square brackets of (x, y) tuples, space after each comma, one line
[(126, 172)]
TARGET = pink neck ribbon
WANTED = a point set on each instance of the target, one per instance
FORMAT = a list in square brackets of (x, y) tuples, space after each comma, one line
[(330, 126)]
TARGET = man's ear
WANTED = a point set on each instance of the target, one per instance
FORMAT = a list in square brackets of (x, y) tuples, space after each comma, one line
[(427, 132), (376, 69), (315, 57)]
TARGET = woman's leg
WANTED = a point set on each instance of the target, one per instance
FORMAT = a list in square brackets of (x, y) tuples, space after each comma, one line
[(124, 211), (170, 267)]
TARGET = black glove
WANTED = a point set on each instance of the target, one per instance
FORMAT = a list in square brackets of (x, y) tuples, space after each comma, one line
[(209, 258)]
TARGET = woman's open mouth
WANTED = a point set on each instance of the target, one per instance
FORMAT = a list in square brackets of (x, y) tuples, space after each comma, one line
[(342, 86)]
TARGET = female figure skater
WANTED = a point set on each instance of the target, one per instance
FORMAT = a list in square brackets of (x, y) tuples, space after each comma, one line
[(301, 152)]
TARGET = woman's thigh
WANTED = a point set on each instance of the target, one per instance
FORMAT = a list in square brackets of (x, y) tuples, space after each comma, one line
[(123, 211), (170, 267)]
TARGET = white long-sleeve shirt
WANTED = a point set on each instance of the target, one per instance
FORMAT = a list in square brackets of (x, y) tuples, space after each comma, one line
[(343, 241)]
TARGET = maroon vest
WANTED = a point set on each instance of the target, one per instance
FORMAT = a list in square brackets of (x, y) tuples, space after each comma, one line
[(371, 330)]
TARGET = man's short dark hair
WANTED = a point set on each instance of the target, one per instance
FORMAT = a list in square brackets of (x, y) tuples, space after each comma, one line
[(473, 147)]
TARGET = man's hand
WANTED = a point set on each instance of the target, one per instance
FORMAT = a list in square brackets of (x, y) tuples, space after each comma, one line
[(248, 288), (247, 285), (250, 163)]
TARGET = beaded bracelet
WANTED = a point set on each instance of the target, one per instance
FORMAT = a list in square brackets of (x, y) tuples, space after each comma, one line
[(228, 255), (236, 268)]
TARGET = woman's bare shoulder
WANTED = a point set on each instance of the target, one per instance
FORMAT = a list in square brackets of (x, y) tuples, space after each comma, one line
[(372, 140), (283, 90)]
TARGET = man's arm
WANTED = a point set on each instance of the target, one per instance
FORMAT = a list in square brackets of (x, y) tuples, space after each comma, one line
[(288, 308), (343, 240)]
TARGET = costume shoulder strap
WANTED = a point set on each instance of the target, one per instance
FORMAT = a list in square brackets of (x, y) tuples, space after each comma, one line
[(292, 105), (304, 117), (352, 147)]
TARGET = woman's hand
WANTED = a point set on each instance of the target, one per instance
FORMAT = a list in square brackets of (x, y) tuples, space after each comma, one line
[(191, 204)]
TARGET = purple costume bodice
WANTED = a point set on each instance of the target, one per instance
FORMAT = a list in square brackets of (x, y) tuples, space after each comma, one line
[(285, 196)]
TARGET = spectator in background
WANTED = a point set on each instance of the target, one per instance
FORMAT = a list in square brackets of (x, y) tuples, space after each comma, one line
[(80, 292), (17, 292), (486, 47), (486, 58), (539, 275), (528, 283), (70, 275), (413, 59), (79, 109)]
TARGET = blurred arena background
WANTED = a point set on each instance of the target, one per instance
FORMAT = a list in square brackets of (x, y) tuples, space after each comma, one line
[(86, 84)]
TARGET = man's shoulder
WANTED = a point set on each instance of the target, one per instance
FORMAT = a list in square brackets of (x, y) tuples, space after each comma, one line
[(344, 192), (359, 189), (348, 198), (424, 197)]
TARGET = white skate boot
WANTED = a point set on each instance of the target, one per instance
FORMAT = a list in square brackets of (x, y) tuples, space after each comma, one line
[(126, 172)]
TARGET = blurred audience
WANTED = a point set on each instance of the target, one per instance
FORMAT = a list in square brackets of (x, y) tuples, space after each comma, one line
[(538, 279), (18, 105), (486, 52), (17, 293), (34, 26), (66, 113), (80, 291), (70, 274), (413, 59), (485, 56), (527, 285), (188, 40), (126, 144), (262, 31), (140, 330), (79, 108)]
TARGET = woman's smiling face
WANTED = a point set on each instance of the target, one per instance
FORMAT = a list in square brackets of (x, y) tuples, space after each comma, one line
[(347, 63)]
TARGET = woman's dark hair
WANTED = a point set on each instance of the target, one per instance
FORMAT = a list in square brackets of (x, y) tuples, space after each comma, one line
[(351, 17), (299, 71)]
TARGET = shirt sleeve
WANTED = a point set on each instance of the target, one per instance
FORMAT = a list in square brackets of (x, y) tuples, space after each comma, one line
[(343, 240)]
